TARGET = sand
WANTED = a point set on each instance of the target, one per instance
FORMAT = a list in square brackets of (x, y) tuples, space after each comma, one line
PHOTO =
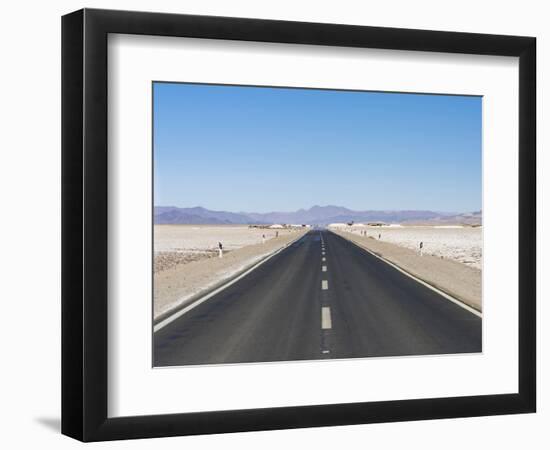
[(199, 269), (460, 280)]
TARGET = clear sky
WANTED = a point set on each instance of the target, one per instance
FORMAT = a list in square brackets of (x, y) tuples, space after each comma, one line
[(262, 149)]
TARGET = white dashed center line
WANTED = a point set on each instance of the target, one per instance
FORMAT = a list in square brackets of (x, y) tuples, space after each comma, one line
[(324, 285), (326, 321), (324, 259), (324, 268)]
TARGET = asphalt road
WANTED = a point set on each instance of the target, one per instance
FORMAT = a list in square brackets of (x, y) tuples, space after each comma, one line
[(297, 306)]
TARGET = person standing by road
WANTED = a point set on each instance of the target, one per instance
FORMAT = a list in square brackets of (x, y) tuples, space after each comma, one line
[(220, 250)]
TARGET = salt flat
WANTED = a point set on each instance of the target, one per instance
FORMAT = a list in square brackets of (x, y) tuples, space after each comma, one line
[(462, 244), (451, 260), (181, 244), (187, 263), (206, 237)]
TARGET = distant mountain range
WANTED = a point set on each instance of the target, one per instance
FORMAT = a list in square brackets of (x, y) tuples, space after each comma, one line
[(316, 215)]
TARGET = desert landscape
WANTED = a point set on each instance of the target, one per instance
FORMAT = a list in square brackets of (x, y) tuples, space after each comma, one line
[(187, 262), (451, 258), (182, 244), (455, 242), (321, 200)]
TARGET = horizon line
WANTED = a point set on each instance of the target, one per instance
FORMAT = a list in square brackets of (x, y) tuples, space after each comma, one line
[(323, 206)]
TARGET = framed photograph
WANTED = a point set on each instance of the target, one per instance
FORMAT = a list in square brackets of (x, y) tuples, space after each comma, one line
[(272, 224)]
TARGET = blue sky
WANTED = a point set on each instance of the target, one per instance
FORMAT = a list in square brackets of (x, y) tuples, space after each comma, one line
[(259, 149)]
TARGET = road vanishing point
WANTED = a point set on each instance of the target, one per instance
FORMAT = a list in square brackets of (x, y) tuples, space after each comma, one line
[(322, 297)]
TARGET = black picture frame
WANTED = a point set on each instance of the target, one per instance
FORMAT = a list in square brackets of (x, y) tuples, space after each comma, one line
[(84, 224)]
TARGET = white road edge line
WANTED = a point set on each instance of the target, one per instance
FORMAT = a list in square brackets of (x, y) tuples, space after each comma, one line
[(324, 285), (326, 321), (197, 302), (428, 285)]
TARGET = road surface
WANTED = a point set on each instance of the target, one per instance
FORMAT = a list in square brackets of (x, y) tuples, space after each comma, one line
[(322, 297)]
